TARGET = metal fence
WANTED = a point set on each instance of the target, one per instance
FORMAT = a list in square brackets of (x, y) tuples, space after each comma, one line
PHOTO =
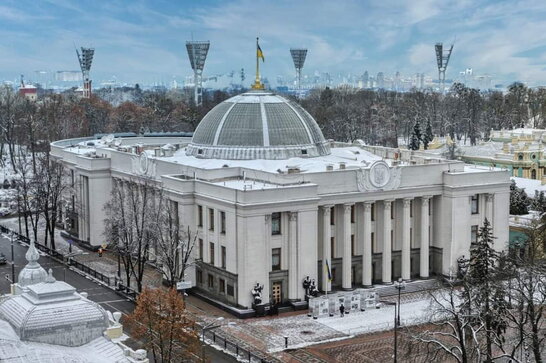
[(90, 271), (56, 254), (242, 354)]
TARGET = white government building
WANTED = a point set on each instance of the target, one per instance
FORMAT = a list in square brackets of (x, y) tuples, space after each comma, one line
[(271, 201)]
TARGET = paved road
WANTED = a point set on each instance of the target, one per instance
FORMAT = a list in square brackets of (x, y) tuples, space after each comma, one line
[(102, 295)]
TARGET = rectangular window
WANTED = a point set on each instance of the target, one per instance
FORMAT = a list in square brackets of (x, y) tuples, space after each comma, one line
[(353, 249), (199, 276), (210, 281), (392, 209), (411, 208), (430, 207), (223, 222), (201, 251), (223, 256), (332, 216), (276, 259), (373, 212), (474, 234), (276, 223), (475, 204), (230, 290), (353, 213), (374, 247), (211, 219), (211, 253), (411, 237), (332, 247), (200, 216), (222, 286), (72, 178), (333, 274)]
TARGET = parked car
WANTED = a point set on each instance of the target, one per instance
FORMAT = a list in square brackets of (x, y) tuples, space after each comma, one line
[(3, 259)]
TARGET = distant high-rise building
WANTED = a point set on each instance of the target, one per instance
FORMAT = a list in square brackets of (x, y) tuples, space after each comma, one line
[(380, 80), (397, 83), (365, 79), (68, 76)]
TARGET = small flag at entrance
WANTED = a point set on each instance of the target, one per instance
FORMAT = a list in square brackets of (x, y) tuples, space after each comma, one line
[(328, 270)]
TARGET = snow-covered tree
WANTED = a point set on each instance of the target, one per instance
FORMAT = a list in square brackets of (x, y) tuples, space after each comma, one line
[(415, 138), (487, 297), (519, 202), (428, 135)]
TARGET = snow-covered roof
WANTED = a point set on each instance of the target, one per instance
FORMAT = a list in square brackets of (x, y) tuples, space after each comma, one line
[(529, 185), (13, 350), (352, 157)]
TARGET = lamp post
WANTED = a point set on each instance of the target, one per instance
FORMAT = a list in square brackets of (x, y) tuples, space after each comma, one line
[(400, 285)]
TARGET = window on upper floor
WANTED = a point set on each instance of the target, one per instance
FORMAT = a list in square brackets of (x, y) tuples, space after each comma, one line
[(223, 256), (211, 219), (211, 257), (475, 204), (223, 222), (276, 223), (353, 213), (201, 249), (200, 216)]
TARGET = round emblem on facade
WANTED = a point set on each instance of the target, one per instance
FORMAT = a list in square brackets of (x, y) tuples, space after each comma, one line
[(380, 174), (143, 162)]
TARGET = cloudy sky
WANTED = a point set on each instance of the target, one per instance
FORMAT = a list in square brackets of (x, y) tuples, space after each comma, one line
[(144, 41)]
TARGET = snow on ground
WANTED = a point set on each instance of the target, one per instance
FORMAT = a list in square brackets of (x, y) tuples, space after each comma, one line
[(303, 331), (61, 243)]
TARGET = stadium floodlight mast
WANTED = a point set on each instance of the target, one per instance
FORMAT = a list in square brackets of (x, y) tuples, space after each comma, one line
[(197, 52), (298, 56), (86, 58), (442, 58)]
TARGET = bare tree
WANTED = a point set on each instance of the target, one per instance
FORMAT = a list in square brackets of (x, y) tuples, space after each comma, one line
[(174, 244), (129, 224), (451, 332)]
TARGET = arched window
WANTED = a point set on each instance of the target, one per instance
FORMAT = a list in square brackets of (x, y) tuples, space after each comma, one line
[(533, 174)]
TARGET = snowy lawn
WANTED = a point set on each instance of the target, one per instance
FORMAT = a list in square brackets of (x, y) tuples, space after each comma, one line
[(302, 331)]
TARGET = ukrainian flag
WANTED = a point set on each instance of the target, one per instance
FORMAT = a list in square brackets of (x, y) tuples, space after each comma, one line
[(328, 270), (260, 54)]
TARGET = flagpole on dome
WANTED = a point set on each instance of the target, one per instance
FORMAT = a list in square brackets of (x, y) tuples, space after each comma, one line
[(257, 83)]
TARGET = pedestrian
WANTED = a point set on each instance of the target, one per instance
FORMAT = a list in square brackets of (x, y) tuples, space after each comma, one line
[(100, 252), (342, 310)]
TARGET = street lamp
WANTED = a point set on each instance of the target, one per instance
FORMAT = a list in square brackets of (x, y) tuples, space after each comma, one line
[(395, 325), (400, 285)]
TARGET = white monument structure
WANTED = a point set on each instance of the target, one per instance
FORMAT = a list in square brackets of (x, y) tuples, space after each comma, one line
[(47, 320), (273, 202)]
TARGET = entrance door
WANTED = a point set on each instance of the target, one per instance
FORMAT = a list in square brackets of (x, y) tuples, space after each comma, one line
[(276, 292)]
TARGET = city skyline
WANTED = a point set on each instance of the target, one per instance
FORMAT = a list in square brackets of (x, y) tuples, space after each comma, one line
[(145, 42)]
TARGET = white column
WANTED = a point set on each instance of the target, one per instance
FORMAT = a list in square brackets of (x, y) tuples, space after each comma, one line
[(346, 261), (326, 247), (489, 207), (293, 257), (367, 250), (387, 242), (406, 247), (424, 253), (267, 256)]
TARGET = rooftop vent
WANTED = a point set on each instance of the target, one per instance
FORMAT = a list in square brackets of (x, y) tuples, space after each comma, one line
[(293, 169), (329, 167), (342, 165)]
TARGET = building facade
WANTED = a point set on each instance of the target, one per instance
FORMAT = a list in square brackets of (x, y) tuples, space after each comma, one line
[(273, 202)]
